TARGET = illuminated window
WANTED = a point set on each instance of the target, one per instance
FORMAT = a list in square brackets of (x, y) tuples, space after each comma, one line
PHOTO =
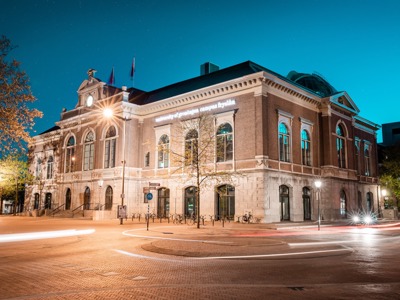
[(109, 153), (88, 155), (70, 155), (50, 162), (342, 204), (284, 143), (224, 143), (163, 151), (340, 147), (191, 147), (305, 148)]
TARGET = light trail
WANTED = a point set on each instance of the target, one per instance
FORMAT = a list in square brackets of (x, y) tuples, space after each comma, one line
[(19, 237)]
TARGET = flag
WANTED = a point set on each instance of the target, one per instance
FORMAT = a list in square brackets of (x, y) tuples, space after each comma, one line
[(133, 69), (111, 80)]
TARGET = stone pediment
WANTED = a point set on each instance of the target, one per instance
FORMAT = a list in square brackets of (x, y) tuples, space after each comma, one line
[(343, 100)]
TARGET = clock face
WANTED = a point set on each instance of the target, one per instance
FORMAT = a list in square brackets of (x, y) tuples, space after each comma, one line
[(89, 101)]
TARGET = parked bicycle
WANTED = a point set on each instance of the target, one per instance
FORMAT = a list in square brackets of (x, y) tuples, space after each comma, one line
[(247, 218), (177, 219)]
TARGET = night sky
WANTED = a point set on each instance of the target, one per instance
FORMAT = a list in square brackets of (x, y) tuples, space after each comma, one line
[(353, 44)]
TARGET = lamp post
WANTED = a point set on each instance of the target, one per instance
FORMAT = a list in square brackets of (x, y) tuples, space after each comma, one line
[(108, 113), (318, 184)]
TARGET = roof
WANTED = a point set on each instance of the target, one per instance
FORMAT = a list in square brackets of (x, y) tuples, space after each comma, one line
[(235, 71), (54, 128)]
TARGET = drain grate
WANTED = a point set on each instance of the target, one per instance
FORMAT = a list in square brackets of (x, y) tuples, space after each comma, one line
[(168, 233)]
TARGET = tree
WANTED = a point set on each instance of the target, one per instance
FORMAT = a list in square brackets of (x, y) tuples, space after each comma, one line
[(196, 149), (390, 170), (14, 173), (16, 117)]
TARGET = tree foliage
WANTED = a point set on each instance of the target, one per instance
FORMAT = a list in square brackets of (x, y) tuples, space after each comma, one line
[(390, 170), (16, 117)]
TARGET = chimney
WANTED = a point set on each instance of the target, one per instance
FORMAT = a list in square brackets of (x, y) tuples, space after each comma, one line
[(208, 68)]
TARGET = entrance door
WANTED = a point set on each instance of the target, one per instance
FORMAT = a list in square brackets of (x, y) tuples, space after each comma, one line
[(226, 202), (47, 202), (307, 203), (284, 199), (163, 202), (68, 199), (190, 201), (86, 199)]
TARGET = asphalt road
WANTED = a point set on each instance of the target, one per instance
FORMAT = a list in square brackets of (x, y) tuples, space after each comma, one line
[(80, 259)]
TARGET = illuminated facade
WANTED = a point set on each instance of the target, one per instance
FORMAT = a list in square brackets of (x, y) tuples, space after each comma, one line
[(280, 133)]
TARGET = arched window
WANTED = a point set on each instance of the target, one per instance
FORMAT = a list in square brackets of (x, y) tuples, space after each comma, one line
[(109, 198), (224, 143), (109, 151), (50, 162), (284, 143), (367, 161), (190, 200), (68, 199), (191, 147), (343, 204), (86, 198), (284, 200), (88, 155), (340, 147), (163, 151), (70, 156), (305, 148), (226, 202)]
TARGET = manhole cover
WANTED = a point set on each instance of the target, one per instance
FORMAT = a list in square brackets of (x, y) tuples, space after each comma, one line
[(168, 233)]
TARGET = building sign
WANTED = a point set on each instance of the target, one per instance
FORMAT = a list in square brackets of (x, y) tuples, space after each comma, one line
[(191, 112)]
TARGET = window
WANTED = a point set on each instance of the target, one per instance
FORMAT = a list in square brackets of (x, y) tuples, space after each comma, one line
[(191, 147), (86, 198), (70, 155), (226, 202), (357, 145), (340, 147), (307, 203), (88, 155), (224, 143), (285, 204), (284, 143), (163, 149), (370, 202), (147, 159), (109, 153), (38, 171), (68, 199), (50, 167), (367, 161), (305, 148), (190, 200)]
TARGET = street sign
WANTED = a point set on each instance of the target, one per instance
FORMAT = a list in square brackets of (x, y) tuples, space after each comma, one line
[(154, 184), (146, 190), (149, 196)]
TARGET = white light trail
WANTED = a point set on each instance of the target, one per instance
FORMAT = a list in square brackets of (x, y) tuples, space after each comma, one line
[(19, 237)]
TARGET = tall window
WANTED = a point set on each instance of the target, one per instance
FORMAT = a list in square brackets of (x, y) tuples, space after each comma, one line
[(163, 148), (147, 159), (307, 203), (190, 200), (70, 155), (86, 198), (357, 145), (68, 199), (50, 162), (109, 153), (226, 202), (340, 147), (191, 147), (88, 152), (305, 148), (224, 142), (284, 143), (367, 161), (38, 171)]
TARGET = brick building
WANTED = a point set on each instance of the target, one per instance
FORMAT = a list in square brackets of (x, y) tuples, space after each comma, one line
[(279, 133)]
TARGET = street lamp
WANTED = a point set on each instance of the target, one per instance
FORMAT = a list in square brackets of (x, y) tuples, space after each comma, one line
[(318, 184), (109, 113)]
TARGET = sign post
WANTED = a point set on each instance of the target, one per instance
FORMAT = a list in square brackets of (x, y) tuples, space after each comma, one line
[(149, 196)]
